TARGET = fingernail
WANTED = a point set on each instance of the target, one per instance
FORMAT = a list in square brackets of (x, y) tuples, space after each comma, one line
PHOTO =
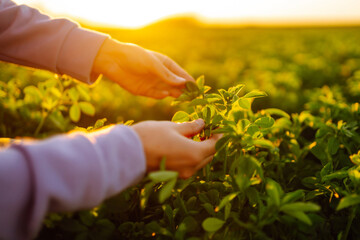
[(200, 122), (180, 79)]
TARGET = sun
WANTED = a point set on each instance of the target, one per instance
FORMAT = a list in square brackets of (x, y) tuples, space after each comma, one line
[(138, 13)]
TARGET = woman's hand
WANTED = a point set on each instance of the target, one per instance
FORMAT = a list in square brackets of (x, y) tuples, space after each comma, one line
[(167, 139), (140, 71)]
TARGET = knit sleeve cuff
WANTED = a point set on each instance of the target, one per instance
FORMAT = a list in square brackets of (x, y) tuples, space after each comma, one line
[(78, 53)]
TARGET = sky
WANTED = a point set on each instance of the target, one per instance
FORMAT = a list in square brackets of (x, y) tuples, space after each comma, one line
[(138, 13)]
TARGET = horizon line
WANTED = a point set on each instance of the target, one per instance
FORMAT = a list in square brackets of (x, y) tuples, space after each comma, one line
[(236, 22)]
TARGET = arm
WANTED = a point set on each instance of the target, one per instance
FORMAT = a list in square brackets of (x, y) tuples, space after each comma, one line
[(77, 171), (65, 173), (30, 38)]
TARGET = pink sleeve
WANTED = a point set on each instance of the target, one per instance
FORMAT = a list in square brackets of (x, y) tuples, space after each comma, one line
[(30, 38), (65, 173)]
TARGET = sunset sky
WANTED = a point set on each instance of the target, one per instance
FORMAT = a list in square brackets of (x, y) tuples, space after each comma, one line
[(137, 13)]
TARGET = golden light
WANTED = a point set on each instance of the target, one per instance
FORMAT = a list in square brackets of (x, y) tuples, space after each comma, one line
[(137, 13)]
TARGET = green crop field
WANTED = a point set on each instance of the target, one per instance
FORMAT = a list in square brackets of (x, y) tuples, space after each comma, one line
[(286, 100)]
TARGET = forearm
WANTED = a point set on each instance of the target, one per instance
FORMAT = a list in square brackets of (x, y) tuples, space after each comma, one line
[(65, 173), (30, 38)]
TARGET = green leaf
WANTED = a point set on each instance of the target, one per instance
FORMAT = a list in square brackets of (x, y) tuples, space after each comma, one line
[(200, 82), (275, 111), (55, 92), (87, 218), (341, 174), (209, 208), (72, 225), (181, 116), (300, 206), (274, 190), (212, 224), (265, 122), (198, 101), (165, 191), (300, 216), (216, 119), (84, 92), (263, 143), (244, 103), (255, 94), (191, 87), (221, 143), (226, 200), (355, 158), (348, 201), (327, 169), (163, 176), (100, 123), (252, 129), (354, 175), (236, 89), (87, 108), (293, 196), (75, 112), (73, 94), (207, 114), (318, 150), (333, 145), (189, 224), (34, 91)]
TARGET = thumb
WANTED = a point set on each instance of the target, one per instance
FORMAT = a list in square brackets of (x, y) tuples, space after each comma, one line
[(191, 128)]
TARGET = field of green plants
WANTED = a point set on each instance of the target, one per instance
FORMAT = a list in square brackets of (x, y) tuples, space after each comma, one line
[(287, 102)]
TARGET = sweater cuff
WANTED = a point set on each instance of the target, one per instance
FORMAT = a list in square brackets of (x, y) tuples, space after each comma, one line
[(78, 53)]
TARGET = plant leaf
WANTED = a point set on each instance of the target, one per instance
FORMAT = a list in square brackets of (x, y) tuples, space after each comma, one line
[(274, 190), (275, 111), (163, 176), (212, 224), (255, 94), (333, 145), (165, 191), (300, 216), (87, 108), (265, 122), (75, 112), (226, 200), (180, 116), (300, 206), (348, 201)]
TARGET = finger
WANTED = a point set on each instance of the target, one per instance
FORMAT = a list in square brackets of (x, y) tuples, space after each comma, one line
[(175, 68), (158, 94), (166, 75), (190, 128), (187, 173), (174, 92), (208, 146), (204, 162)]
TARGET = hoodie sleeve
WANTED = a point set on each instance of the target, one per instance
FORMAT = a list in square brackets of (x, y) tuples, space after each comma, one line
[(33, 39), (65, 173)]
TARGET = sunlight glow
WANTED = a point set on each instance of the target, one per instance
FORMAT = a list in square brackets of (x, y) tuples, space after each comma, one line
[(137, 13)]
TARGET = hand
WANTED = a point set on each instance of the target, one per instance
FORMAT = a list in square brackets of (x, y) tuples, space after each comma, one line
[(167, 139), (140, 71)]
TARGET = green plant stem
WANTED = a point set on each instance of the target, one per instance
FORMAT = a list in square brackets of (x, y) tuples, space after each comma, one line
[(349, 223), (41, 124)]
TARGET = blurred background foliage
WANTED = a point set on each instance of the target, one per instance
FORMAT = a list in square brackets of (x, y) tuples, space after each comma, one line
[(287, 63)]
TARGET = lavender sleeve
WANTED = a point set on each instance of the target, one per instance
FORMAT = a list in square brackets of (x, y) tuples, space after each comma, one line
[(30, 38), (65, 173)]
